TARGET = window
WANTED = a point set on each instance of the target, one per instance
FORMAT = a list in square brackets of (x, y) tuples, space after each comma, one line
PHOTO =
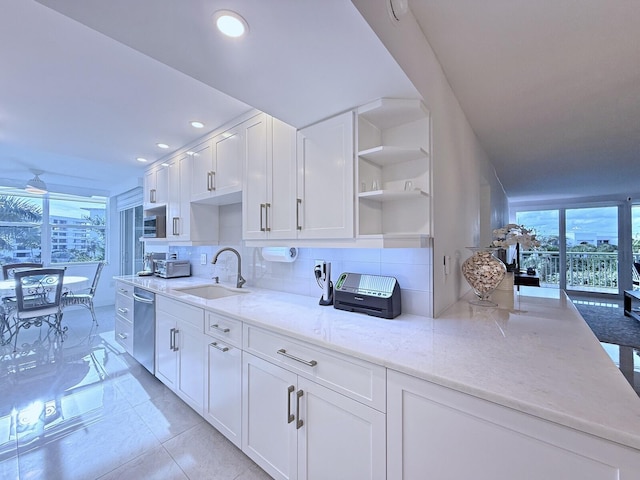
[(50, 229)]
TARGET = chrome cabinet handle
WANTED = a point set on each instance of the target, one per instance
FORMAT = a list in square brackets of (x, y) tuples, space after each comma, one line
[(298, 203), (122, 336), (218, 327), (310, 363), (299, 423), (266, 216), (290, 416), (152, 195), (122, 290), (213, 183), (176, 225), (171, 339), (123, 310), (262, 206), (209, 181), (175, 343), (222, 349)]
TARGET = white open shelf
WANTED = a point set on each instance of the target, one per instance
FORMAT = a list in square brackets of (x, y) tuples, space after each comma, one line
[(390, 112), (389, 155), (392, 195)]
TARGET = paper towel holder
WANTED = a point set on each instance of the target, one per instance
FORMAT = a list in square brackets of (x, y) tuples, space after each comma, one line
[(280, 254)]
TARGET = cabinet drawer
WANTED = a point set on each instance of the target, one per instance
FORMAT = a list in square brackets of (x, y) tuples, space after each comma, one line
[(357, 379), (124, 334), (124, 307), (228, 329), (182, 311), (124, 289)]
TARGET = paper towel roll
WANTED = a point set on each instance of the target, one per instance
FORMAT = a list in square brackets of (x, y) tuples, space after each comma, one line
[(280, 254)]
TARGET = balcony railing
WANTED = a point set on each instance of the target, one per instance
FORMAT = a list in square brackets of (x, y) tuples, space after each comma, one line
[(594, 271)]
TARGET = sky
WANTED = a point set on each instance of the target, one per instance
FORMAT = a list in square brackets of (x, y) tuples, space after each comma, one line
[(601, 221)]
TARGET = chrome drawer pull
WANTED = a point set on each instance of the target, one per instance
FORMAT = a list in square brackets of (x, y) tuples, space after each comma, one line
[(262, 207), (217, 327), (122, 336), (283, 352), (299, 394), (222, 349), (123, 310), (290, 416)]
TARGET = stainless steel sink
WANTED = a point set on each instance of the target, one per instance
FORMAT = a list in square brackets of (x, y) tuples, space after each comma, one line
[(210, 292)]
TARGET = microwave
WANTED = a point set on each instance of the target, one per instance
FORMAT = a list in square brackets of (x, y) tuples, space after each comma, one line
[(154, 226)]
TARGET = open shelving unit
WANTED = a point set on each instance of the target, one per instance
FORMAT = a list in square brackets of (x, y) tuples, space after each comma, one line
[(393, 173)]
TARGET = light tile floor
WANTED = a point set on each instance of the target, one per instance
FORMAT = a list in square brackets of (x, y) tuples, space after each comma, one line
[(84, 409)]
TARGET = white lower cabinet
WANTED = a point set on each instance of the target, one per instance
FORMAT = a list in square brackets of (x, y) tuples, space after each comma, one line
[(295, 428), (436, 432), (124, 316), (223, 403), (180, 350)]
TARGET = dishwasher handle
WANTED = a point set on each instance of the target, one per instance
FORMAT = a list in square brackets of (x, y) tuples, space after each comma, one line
[(138, 298)]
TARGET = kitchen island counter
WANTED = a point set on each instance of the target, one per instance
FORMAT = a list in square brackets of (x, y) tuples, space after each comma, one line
[(533, 353)]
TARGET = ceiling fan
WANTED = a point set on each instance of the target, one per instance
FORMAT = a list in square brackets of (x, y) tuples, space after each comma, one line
[(36, 185)]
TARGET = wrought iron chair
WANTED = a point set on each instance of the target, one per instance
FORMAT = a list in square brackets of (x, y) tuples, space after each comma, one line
[(38, 299), (71, 299), (8, 272), (9, 269)]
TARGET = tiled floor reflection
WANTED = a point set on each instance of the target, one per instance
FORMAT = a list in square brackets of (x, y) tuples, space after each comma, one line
[(84, 409)]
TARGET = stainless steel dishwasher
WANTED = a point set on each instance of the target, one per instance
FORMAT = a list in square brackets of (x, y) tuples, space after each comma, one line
[(144, 328)]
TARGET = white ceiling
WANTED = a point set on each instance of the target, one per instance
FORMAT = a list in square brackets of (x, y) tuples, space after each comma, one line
[(551, 87), (82, 105)]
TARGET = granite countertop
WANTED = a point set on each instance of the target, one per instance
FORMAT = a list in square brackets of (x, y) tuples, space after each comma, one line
[(533, 353)]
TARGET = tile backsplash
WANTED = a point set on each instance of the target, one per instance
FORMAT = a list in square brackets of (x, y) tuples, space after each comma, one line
[(410, 266)]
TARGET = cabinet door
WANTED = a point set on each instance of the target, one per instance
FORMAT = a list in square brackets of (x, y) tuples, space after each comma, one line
[(325, 179), (201, 172), (156, 186), (183, 226), (436, 432), (339, 437), (268, 434), (254, 193), (223, 406), (173, 205), (281, 187), (228, 155), (166, 358), (190, 345)]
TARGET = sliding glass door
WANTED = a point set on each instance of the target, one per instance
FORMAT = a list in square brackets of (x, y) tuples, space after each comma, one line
[(579, 248), (591, 239)]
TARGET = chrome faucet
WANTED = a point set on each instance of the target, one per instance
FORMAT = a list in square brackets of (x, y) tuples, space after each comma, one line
[(241, 281)]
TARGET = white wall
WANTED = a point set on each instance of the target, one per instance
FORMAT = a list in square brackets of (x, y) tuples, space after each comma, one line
[(460, 165)]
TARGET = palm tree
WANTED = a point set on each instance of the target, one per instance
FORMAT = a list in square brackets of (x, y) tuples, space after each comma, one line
[(16, 209)]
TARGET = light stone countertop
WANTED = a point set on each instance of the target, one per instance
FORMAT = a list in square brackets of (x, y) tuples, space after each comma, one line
[(534, 353)]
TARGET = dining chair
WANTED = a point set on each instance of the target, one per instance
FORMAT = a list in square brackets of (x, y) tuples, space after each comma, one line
[(38, 299), (9, 269), (71, 299), (8, 272)]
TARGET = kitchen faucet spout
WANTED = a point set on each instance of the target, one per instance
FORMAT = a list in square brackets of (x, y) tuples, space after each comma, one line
[(241, 281)]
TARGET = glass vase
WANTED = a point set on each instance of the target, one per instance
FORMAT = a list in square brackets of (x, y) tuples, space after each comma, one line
[(483, 271)]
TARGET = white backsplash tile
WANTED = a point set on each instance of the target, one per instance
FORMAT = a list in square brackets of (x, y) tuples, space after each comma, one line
[(411, 266)]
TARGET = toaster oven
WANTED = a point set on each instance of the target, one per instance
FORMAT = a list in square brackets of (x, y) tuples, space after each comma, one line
[(172, 268)]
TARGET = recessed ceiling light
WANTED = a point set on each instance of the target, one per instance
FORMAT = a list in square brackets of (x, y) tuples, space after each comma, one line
[(162, 145), (230, 23), (196, 124), (140, 159)]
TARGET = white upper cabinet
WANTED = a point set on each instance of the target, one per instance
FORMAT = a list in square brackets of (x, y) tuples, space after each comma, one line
[(393, 174), (269, 193), (217, 169), (156, 187), (325, 198)]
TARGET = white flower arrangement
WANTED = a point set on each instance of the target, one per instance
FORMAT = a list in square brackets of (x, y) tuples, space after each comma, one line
[(513, 234)]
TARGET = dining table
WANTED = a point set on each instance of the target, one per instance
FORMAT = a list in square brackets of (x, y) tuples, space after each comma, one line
[(69, 284)]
